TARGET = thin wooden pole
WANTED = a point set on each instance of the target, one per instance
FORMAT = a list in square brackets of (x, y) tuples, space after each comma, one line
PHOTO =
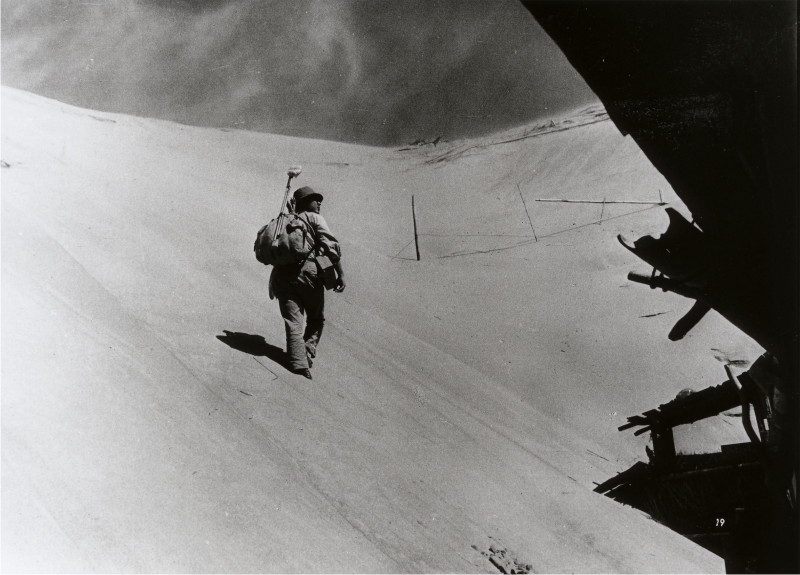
[(599, 201), (521, 197), (414, 216)]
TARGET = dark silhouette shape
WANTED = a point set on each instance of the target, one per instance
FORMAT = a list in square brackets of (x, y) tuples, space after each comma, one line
[(255, 345), (719, 500), (713, 499), (708, 90)]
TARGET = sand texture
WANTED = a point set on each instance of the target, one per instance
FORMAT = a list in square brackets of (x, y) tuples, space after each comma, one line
[(463, 406)]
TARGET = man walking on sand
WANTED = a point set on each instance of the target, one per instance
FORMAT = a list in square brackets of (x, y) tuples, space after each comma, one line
[(300, 289)]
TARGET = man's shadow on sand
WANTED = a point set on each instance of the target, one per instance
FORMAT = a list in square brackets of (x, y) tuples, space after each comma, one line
[(255, 345)]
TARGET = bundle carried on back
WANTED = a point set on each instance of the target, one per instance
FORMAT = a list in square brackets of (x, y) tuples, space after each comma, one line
[(286, 239)]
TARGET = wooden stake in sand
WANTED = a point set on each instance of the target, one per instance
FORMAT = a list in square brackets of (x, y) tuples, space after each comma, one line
[(526, 211), (414, 216)]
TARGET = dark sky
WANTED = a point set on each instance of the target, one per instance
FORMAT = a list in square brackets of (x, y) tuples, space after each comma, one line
[(369, 71)]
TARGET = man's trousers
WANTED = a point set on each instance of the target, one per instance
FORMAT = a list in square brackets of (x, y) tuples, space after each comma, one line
[(299, 296)]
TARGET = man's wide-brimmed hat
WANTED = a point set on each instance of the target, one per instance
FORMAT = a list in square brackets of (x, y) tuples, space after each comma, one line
[(306, 194)]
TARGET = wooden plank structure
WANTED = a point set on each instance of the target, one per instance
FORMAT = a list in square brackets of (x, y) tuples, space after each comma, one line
[(715, 499)]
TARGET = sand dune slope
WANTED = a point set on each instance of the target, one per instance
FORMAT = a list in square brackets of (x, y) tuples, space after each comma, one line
[(463, 403)]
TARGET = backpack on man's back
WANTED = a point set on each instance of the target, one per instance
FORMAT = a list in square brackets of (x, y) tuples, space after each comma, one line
[(285, 240)]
